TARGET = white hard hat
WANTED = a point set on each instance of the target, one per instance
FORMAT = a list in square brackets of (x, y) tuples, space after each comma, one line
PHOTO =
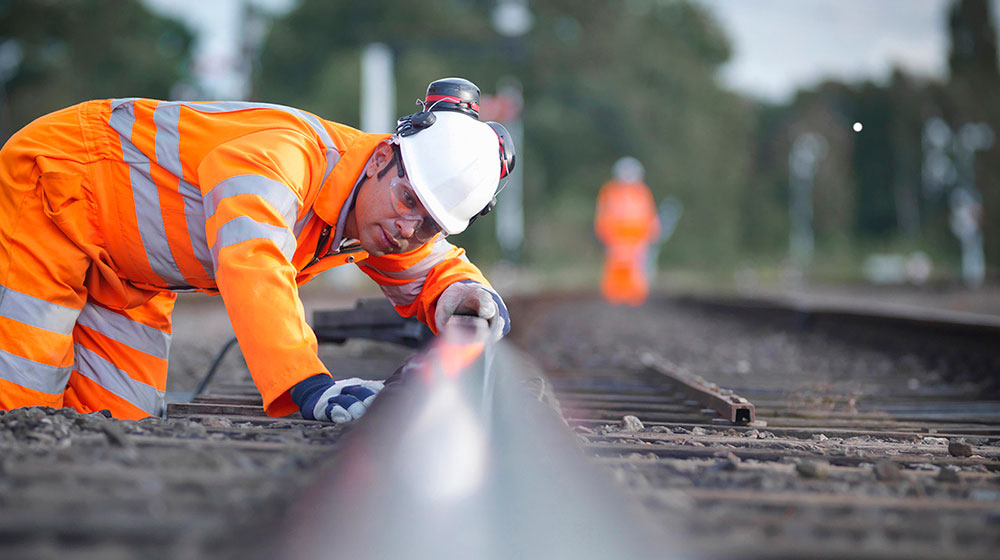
[(628, 169), (454, 166)]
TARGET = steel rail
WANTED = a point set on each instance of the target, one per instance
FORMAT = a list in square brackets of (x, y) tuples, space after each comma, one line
[(964, 327), (463, 457)]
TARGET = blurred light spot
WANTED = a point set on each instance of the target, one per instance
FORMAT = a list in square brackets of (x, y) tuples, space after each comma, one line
[(512, 18), (448, 458), (858, 126)]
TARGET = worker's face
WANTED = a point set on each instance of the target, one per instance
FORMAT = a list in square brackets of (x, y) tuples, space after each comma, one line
[(388, 217)]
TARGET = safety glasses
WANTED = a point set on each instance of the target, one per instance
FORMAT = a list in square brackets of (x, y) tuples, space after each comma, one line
[(407, 206)]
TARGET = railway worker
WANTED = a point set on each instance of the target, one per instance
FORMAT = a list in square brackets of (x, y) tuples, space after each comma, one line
[(110, 207), (626, 222)]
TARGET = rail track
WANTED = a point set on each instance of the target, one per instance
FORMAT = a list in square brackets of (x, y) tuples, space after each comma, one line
[(765, 441), (891, 467)]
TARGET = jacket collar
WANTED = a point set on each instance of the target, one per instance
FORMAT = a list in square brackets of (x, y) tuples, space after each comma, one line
[(334, 196)]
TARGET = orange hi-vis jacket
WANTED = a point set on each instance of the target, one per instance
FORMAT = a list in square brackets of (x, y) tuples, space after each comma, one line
[(626, 222), (626, 214), (109, 207)]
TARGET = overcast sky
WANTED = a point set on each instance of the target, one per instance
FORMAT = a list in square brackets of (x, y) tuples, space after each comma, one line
[(779, 45)]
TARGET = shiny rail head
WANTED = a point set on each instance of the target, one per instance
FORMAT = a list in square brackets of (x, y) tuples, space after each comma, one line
[(474, 466)]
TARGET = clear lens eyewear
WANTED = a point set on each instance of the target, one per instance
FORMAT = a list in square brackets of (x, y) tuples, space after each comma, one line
[(407, 206)]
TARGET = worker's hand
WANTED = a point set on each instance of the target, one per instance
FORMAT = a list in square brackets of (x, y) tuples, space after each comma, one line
[(472, 298), (321, 398)]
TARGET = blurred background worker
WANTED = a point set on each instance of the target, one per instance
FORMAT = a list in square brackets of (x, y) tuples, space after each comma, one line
[(110, 207), (626, 222)]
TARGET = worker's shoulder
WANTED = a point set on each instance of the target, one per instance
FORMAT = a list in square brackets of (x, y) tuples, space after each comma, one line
[(346, 137)]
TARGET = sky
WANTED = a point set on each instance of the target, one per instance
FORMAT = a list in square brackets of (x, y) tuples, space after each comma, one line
[(778, 45), (782, 45)]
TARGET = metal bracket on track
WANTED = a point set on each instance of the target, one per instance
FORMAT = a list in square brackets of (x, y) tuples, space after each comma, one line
[(729, 405)]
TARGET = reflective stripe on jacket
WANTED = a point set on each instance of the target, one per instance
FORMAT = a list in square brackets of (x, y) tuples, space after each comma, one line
[(232, 198)]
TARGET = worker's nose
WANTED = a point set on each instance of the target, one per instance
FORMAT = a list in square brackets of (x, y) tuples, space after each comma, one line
[(407, 226)]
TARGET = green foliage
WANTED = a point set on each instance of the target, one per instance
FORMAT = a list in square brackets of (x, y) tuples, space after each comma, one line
[(602, 79), (74, 50), (610, 79), (311, 56), (869, 188)]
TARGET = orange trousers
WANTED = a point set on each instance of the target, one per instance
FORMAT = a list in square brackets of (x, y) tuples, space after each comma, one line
[(66, 339), (625, 280)]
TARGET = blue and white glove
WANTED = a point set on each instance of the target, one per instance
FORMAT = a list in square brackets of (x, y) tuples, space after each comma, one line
[(472, 298), (321, 398)]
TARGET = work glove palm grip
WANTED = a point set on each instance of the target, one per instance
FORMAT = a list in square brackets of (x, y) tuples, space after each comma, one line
[(321, 398), (472, 298)]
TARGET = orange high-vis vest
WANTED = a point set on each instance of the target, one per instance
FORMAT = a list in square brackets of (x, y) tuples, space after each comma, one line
[(110, 207), (626, 222)]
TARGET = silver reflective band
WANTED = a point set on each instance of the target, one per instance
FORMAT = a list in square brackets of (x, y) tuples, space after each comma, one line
[(34, 375), (168, 141), (146, 397), (299, 225), (168, 155), (275, 193), (121, 329), (37, 312), (422, 268), (332, 157), (146, 200), (115, 103), (404, 294), (245, 228)]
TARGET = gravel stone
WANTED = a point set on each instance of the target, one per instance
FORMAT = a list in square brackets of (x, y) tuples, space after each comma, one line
[(959, 448), (810, 468), (631, 424), (731, 462), (214, 422), (934, 441), (888, 471)]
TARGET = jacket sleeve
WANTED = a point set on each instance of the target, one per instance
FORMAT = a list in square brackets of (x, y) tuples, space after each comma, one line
[(413, 281), (252, 190)]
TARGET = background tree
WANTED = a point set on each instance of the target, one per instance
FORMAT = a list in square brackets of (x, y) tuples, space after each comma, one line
[(971, 97), (870, 189), (54, 53)]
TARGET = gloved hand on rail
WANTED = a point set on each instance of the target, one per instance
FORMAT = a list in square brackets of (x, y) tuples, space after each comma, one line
[(472, 298), (321, 398)]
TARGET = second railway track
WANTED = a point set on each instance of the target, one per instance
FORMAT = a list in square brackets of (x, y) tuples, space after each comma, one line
[(867, 441)]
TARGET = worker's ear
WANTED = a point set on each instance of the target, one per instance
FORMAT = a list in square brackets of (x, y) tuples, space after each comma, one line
[(380, 157)]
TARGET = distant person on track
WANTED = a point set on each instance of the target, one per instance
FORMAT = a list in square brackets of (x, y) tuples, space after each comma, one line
[(110, 207), (626, 222)]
